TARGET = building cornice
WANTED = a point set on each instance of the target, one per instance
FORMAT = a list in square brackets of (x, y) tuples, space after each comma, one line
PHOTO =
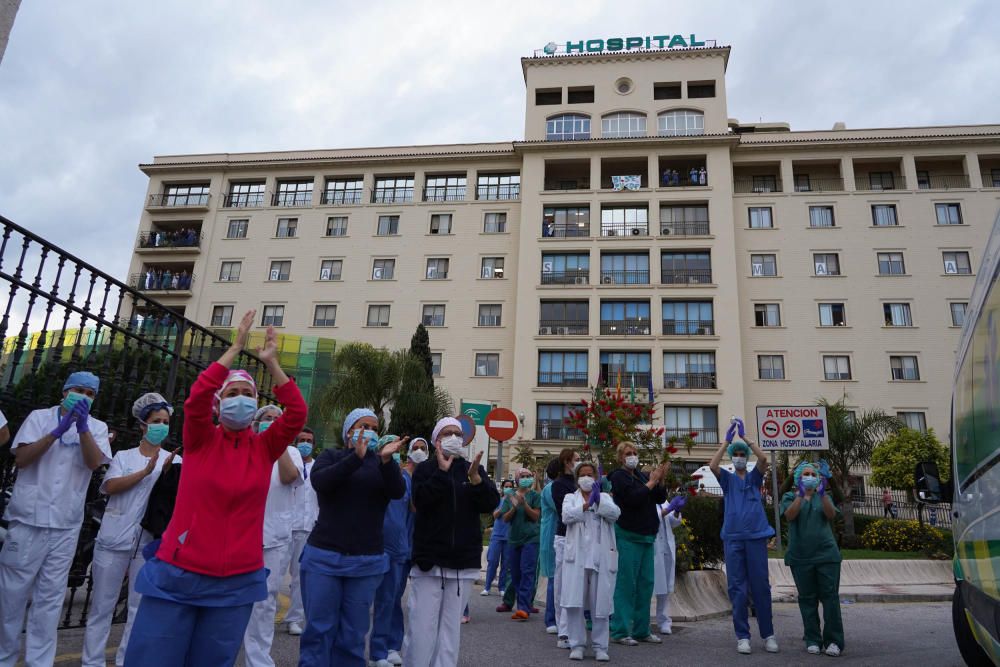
[(604, 142), (865, 138), (638, 55)]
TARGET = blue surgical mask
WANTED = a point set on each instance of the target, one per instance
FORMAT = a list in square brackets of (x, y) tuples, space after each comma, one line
[(740, 462), (72, 398), (157, 433), (236, 412), (305, 449), (395, 457), (372, 438), (810, 482), (508, 491), (526, 482), (263, 426)]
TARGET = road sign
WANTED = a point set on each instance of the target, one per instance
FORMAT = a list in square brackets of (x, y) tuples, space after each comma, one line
[(501, 424), (468, 427), (796, 427), (477, 410)]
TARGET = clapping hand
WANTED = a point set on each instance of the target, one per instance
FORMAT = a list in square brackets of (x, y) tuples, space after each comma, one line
[(676, 505), (474, 476), (82, 412), (595, 493), (731, 433), (269, 352), (444, 463), (151, 464), (392, 447), (741, 428), (802, 488), (821, 489), (64, 423)]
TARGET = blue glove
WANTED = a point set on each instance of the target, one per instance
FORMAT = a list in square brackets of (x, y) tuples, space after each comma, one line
[(595, 494), (802, 489), (82, 412), (821, 489), (64, 423), (730, 433), (741, 428), (676, 504), (824, 469)]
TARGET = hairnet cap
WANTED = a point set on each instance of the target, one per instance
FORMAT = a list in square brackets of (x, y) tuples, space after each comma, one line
[(442, 423), (576, 473), (238, 375), (737, 445), (353, 417), (84, 380), (522, 471), (802, 466), (149, 403), (264, 410)]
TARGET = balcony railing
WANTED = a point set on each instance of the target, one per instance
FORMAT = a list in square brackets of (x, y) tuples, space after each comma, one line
[(161, 282), (825, 184), (292, 199), (629, 379), (866, 184), (392, 195), (444, 193), (498, 192), (342, 197), (690, 380), (580, 277), (688, 328), (563, 328), (699, 228), (753, 186), (187, 200), (625, 277), (626, 328), (686, 277), (169, 240), (991, 180), (553, 430), (562, 379), (243, 200), (943, 181), (701, 436), (564, 231), (630, 229)]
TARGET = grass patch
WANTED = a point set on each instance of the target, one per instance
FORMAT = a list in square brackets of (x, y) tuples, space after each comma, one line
[(869, 554)]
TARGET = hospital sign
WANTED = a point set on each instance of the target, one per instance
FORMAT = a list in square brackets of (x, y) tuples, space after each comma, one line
[(792, 427)]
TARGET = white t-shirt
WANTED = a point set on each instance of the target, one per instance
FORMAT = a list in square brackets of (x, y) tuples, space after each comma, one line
[(3, 420), (50, 493), (279, 512), (306, 504), (120, 526)]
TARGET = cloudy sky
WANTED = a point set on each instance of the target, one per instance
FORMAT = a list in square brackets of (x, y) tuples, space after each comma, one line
[(90, 89)]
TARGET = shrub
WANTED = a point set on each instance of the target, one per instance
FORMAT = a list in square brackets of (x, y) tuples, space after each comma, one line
[(703, 520), (904, 535), (682, 540)]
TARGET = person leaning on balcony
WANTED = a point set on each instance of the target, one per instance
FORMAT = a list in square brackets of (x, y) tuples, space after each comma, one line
[(745, 532), (56, 451), (199, 588), (814, 559), (638, 496)]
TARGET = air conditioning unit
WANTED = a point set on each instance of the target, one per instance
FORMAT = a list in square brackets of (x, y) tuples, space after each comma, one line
[(581, 280), (378, 273), (665, 231), (636, 231), (611, 232), (607, 280), (704, 331), (544, 331), (561, 331)]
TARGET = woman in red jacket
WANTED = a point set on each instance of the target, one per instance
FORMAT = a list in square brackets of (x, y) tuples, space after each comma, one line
[(208, 570)]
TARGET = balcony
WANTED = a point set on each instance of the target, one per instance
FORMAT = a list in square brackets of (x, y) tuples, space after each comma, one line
[(942, 181), (701, 436), (578, 277), (756, 184), (444, 193), (562, 379), (565, 230), (624, 174), (290, 199), (625, 229), (878, 174), (243, 200), (688, 328), (567, 175), (989, 167), (180, 201), (694, 228), (638, 380), (342, 197), (639, 327), (162, 282), (823, 184), (392, 195), (690, 380), (176, 242), (686, 277), (553, 430), (563, 328), (682, 172), (498, 192), (625, 277)]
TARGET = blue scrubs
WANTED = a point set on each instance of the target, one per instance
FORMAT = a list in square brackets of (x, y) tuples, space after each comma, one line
[(387, 633), (745, 533), (496, 555)]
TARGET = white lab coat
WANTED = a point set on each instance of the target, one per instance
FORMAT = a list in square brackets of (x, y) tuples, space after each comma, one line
[(305, 502), (280, 510), (665, 553), (590, 545)]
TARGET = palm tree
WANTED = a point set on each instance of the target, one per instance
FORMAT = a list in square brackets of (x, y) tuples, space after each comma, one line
[(853, 437)]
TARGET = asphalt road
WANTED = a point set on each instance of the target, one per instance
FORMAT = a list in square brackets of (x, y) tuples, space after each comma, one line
[(877, 635)]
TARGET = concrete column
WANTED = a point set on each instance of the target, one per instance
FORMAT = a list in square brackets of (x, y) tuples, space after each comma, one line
[(787, 175), (972, 169), (847, 173), (909, 172), (595, 174), (654, 170)]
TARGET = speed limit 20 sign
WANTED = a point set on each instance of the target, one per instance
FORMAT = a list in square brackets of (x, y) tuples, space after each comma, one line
[(792, 427)]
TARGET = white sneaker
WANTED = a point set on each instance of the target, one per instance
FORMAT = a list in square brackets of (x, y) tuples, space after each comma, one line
[(666, 630), (771, 645), (294, 629), (576, 654), (394, 658), (651, 639), (812, 649), (551, 630), (743, 646), (833, 650), (601, 656), (485, 592), (628, 641), (380, 663), (562, 643)]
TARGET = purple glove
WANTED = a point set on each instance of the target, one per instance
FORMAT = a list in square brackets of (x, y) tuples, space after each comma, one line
[(730, 433), (64, 423), (595, 494), (821, 489), (82, 412), (741, 428), (802, 489), (676, 504)]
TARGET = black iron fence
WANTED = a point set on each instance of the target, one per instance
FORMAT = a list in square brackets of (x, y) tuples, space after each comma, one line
[(63, 314), (902, 507)]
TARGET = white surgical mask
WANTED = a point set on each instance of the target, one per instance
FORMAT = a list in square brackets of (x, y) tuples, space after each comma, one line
[(576, 464), (418, 455), (740, 462), (632, 462), (586, 484), (453, 445)]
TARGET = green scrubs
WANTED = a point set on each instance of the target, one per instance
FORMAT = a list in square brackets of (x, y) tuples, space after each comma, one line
[(634, 585), (814, 559)]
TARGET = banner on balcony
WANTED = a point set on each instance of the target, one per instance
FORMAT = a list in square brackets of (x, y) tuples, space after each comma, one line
[(626, 182)]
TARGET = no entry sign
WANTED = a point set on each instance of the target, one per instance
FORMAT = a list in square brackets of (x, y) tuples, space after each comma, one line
[(792, 427), (501, 424)]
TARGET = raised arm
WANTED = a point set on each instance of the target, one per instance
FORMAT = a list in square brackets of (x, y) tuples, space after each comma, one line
[(717, 459), (286, 427), (762, 459)]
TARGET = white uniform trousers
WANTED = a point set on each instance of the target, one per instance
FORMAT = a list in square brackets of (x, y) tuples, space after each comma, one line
[(663, 620), (600, 631), (434, 620), (561, 620), (260, 630), (34, 565), (295, 613)]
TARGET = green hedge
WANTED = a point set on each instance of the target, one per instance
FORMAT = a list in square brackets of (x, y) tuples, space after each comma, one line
[(905, 535)]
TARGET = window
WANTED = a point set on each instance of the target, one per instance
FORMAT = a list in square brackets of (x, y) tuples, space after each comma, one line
[(667, 91), (763, 266), (388, 225), (698, 89), (884, 215), (948, 214), (550, 420), (441, 223), (336, 225), (567, 127), (802, 183), (821, 216), (566, 221), (498, 186), (891, 264), (680, 122), (630, 369), (444, 188), (832, 315), (624, 269), (378, 316), (923, 179), (544, 96), (771, 366), (564, 318), (565, 269), (245, 195), (956, 263), (186, 195), (487, 364), (562, 369), (688, 318), (881, 180), (433, 315), (681, 420), (958, 313), (625, 318), (836, 367), (230, 272), (330, 269), (580, 95), (624, 221), (325, 316), (343, 190), (994, 179), (294, 193), (764, 183), (392, 189), (436, 364), (492, 268), (760, 217), (913, 420), (495, 223), (897, 315), (280, 270), (684, 220), (383, 269), (680, 268), (767, 314), (222, 316), (623, 124), (904, 367), (689, 370), (274, 316), (437, 268), (826, 264), (489, 314), (237, 229), (287, 228)]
